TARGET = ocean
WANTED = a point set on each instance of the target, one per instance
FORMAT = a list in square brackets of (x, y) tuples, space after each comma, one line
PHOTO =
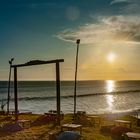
[(92, 96)]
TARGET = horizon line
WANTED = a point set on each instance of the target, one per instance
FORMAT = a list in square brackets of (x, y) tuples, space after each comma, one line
[(72, 80)]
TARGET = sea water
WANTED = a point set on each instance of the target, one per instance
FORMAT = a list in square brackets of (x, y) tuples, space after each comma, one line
[(92, 96)]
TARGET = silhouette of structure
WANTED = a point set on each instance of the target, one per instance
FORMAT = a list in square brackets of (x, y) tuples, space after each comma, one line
[(9, 82), (39, 62), (75, 84)]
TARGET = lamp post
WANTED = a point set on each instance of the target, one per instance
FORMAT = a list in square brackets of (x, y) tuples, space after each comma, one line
[(77, 42), (8, 96)]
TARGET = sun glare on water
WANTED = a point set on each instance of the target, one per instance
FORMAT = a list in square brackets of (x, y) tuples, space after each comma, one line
[(110, 86)]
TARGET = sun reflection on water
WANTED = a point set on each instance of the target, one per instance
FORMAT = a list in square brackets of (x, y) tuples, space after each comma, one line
[(110, 85), (110, 100)]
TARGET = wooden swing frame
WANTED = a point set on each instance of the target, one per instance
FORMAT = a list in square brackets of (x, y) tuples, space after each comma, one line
[(39, 62)]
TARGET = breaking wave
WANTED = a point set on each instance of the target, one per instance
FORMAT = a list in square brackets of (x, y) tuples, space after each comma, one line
[(71, 96)]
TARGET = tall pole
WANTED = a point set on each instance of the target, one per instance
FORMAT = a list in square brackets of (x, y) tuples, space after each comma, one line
[(8, 96), (15, 94), (58, 92), (77, 42)]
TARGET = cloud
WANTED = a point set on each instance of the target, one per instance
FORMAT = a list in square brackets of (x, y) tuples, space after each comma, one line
[(114, 28), (124, 1), (133, 8), (118, 1), (129, 6)]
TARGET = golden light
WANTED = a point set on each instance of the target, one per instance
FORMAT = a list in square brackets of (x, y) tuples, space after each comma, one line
[(110, 85), (110, 100), (111, 57)]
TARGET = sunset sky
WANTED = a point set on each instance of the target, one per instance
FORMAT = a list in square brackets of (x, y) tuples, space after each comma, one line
[(47, 29)]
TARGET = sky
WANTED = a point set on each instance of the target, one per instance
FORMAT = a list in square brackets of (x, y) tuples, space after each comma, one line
[(109, 31)]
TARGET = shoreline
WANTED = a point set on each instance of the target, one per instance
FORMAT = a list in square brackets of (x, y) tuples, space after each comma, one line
[(37, 131), (125, 112)]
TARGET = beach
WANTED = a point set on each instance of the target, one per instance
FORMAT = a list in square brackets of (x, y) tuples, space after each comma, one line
[(42, 131), (108, 100)]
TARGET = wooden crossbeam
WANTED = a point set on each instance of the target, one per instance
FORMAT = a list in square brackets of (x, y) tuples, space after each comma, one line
[(38, 62)]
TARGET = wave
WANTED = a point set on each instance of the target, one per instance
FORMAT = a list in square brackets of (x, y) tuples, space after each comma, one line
[(71, 96)]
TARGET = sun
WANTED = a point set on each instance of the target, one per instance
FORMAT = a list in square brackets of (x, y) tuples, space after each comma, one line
[(111, 57)]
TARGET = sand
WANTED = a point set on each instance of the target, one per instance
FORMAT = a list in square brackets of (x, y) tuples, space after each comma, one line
[(41, 131)]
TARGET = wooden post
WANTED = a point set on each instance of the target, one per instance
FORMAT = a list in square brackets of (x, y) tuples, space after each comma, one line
[(9, 82), (15, 93), (8, 96), (58, 92), (75, 82)]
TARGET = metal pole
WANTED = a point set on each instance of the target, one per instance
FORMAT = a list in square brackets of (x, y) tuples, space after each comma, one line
[(77, 42), (58, 92), (8, 96)]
